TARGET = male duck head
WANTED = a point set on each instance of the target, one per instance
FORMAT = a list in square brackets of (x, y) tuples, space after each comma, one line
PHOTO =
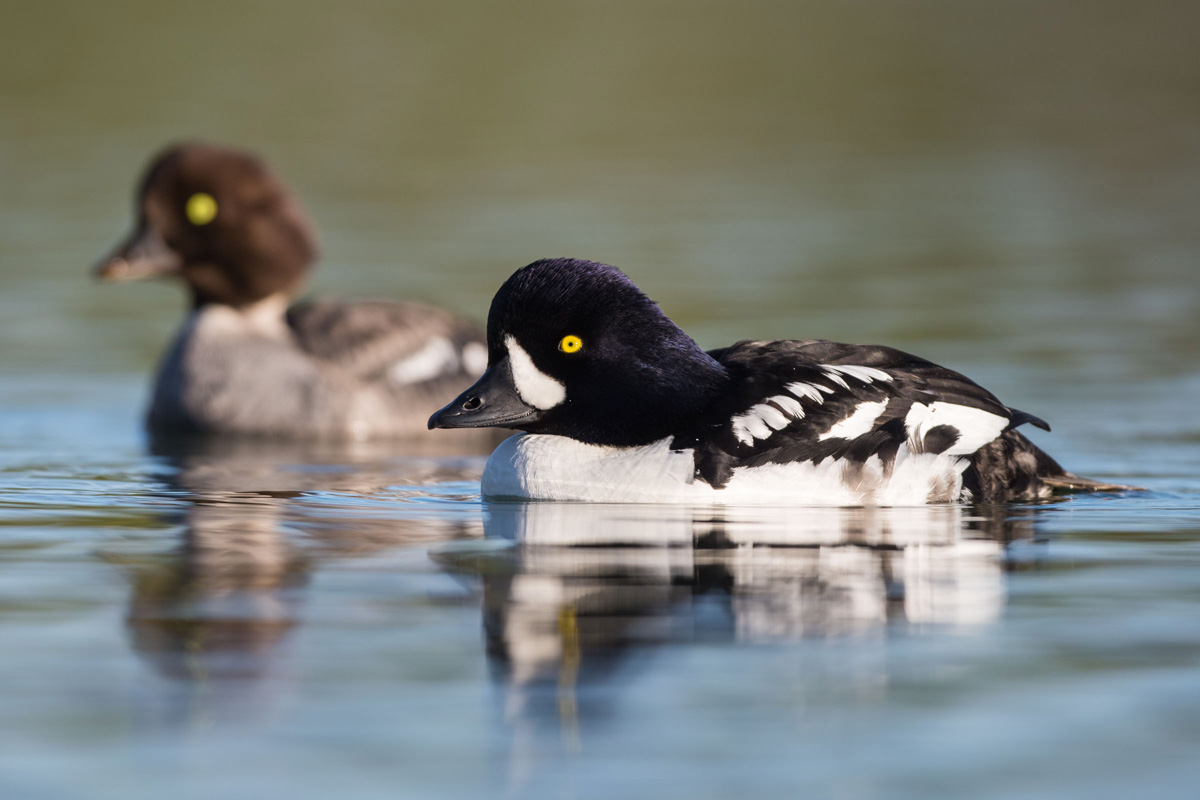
[(575, 349), (219, 220)]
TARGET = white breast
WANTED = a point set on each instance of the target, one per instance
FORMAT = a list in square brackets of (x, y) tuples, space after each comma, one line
[(539, 467)]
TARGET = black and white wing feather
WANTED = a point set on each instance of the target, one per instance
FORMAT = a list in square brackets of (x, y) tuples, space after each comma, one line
[(401, 345), (816, 400)]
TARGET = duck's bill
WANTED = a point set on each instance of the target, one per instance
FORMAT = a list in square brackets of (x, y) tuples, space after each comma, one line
[(492, 402), (142, 256)]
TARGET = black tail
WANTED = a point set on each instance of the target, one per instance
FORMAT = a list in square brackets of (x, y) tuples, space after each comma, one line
[(1012, 468)]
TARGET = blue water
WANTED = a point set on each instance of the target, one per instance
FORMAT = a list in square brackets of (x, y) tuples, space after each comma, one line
[(237, 621)]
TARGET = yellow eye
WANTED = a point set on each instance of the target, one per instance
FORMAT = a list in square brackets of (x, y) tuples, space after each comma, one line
[(201, 208), (570, 344)]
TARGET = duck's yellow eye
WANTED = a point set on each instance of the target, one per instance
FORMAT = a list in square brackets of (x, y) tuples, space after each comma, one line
[(201, 208), (570, 344)]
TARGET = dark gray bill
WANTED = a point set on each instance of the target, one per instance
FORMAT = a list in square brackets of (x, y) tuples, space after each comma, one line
[(492, 402), (143, 255)]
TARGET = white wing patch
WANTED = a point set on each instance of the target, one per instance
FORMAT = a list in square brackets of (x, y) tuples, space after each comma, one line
[(435, 358), (789, 405), (809, 391), (763, 419), (836, 378), (534, 386), (860, 421), (864, 374), (975, 426)]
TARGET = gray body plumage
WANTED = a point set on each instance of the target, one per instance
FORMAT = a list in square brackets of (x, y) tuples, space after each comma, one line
[(326, 370)]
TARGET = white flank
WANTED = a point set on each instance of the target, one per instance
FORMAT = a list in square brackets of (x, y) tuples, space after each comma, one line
[(435, 358), (975, 426), (808, 391), (861, 421), (474, 358), (541, 467), (864, 374), (534, 386)]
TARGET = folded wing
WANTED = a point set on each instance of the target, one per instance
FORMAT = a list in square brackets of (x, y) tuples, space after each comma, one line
[(816, 400), (402, 345)]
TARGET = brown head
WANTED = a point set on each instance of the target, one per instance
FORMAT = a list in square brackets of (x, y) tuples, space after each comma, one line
[(219, 220)]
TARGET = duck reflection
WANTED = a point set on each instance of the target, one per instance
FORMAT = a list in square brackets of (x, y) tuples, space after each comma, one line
[(573, 592), (212, 615), (587, 581), (221, 603)]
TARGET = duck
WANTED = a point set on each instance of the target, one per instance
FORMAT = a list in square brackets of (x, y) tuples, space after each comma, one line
[(615, 403), (246, 361)]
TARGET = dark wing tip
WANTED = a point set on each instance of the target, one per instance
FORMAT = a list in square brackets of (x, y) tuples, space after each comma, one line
[(1019, 418)]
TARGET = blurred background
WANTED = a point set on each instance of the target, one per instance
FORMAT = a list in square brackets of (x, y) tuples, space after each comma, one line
[(971, 180), (1008, 188)]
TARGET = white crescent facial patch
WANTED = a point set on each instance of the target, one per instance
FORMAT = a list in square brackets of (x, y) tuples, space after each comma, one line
[(534, 386)]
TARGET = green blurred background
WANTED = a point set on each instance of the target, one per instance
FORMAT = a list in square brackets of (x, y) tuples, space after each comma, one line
[(981, 181)]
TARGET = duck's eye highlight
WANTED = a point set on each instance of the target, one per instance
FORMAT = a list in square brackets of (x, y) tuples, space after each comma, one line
[(570, 344), (201, 208)]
